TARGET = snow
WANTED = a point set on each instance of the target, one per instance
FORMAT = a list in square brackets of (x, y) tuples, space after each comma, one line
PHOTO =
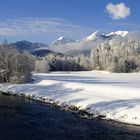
[(115, 96), (120, 33), (98, 35), (93, 36), (61, 37), (62, 40)]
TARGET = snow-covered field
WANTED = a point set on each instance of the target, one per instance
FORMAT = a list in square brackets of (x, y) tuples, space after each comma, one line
[(115, 96)]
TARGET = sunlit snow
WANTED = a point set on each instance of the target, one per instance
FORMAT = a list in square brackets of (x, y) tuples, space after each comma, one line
[(113, 95)]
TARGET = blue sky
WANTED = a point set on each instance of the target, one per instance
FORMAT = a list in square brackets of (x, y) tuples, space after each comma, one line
[(45, 20)]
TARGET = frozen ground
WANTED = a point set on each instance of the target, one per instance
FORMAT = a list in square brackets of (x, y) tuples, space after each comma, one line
[(114, 96)]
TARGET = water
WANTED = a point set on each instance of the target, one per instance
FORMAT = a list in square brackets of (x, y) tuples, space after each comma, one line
[(23, 119)]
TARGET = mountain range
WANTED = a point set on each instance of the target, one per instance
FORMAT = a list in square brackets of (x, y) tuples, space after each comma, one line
[(94, 36), (64, 45)]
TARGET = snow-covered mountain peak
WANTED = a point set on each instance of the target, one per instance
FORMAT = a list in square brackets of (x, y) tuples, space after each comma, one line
[(118, 33), (62, 40), (93, 36), (97, 35)]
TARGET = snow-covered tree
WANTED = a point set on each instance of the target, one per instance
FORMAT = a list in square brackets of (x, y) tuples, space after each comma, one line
[(15, 66), (116, 56)]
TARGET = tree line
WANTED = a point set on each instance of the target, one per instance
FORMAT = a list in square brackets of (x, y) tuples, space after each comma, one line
[(116, 56), (113, 55)]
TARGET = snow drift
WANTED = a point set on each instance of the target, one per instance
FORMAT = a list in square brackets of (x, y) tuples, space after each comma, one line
[(114, 96)]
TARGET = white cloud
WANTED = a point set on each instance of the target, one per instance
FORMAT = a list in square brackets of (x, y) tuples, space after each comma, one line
[(118, 11), (41, 26)]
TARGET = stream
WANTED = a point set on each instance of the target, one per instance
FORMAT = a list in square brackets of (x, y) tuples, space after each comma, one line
[(24, 119)]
